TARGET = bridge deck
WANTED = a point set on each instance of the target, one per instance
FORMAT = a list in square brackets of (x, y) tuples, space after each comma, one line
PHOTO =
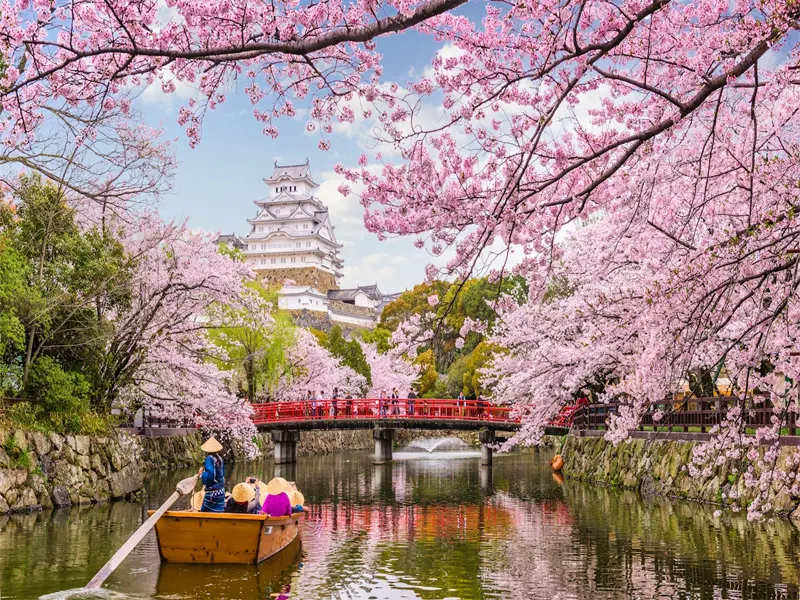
[(402, 413)]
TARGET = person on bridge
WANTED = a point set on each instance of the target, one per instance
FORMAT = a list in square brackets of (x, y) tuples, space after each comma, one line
[(412, 396), (213, 476), (395, 402), (334, 401), (462, 403), (382, 405), (348, 405)]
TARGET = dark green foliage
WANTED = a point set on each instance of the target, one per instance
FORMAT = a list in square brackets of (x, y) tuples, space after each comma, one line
[(62, 396), (350, 353), (58, 283), (473, 299), (382, 338)]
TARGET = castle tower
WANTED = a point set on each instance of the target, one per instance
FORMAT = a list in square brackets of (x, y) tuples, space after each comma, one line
[(291, 236)]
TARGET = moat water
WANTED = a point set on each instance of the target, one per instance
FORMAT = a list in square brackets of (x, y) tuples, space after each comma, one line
[(438, 527)]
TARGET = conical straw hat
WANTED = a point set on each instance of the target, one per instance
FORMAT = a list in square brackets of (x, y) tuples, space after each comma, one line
[(277, 485), (211, 446), (243, 492), (297, 498), (197, 500)]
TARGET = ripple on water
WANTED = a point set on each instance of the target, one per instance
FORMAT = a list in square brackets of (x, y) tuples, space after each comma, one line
[(436, 529)]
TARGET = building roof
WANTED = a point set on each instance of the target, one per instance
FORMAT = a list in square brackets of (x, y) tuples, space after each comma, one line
[(297, 290), (301, 171), (232, 239), (370, 290)]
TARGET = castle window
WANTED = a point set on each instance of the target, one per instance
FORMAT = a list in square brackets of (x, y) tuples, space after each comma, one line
[(273, 261), (260, 229), (302, 259), (297, 245), (308, 244), (263, 246), (305, 225), (293, 259), (283, 260)]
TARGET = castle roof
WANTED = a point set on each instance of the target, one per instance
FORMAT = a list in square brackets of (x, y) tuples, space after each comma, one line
[(349, 294), (302, 171), (232, 239)]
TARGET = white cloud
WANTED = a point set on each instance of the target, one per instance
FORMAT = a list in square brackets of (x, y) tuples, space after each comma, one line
[(153, 94), (383, 268)]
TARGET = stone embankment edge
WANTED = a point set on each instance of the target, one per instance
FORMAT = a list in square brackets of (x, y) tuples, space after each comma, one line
[(659, 467), (45, 470)]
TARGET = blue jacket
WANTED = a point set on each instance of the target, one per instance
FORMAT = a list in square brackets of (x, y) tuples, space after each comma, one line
[(213, 473)]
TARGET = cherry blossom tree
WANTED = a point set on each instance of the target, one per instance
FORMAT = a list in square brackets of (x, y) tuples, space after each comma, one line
[(159, 354), (103, 155), (389, 370), (672, 127), (313, 368)]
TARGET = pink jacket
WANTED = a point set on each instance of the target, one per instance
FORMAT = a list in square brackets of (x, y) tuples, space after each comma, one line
[(277, 506)]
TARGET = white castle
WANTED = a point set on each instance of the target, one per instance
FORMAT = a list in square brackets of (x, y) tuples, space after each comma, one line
[(292, 243)]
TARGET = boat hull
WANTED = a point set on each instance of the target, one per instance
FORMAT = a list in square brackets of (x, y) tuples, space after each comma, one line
[(223, 538)]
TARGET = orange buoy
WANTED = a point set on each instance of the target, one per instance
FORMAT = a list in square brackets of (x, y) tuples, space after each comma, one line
[(557, 463)]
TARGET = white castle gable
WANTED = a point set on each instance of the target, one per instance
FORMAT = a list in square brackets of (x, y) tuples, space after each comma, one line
[(292, 230), (291, 227)]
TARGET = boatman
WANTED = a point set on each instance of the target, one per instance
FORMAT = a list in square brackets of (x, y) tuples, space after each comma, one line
[(213, 475)]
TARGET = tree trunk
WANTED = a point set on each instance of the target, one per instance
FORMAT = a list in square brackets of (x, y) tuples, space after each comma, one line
[(40, 273)]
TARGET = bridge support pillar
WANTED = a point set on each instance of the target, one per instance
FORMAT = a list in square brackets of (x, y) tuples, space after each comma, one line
[(486, 438), (285, 442), (383, 444)]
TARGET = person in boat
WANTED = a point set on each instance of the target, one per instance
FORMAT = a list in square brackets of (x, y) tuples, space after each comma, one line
[(277, 502), (245, 498), (297, 501), (213, 476)]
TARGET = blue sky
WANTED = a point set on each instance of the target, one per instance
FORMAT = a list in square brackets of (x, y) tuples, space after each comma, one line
[(217, 181)]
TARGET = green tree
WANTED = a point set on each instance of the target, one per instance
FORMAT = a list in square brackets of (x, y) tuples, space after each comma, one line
[(382, 338), (58, 283), (428, 375), (349, 352), (479, 358), (455, 376), (254, 339)]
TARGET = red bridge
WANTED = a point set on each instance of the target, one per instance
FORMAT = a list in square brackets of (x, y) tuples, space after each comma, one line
[(383, 415), (361, 413)]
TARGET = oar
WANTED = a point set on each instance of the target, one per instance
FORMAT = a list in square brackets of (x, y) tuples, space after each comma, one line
[(183, 488)]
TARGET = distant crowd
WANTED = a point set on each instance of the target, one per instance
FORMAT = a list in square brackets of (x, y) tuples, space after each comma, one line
[(387, 403)]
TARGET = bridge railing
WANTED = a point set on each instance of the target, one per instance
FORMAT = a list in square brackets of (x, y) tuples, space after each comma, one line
[(695, 414), (380, 408)]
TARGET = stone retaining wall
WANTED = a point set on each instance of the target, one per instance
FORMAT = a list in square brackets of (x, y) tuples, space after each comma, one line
[(324, 442), (658, 467), (42, 470)]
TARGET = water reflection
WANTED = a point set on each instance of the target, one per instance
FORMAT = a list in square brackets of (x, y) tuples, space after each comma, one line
[(429, 529)]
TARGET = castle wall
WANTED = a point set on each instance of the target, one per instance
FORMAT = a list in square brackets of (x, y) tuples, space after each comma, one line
[(302, 276)]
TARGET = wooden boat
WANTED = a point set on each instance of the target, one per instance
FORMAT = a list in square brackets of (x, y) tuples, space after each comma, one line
[(223, 538)]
